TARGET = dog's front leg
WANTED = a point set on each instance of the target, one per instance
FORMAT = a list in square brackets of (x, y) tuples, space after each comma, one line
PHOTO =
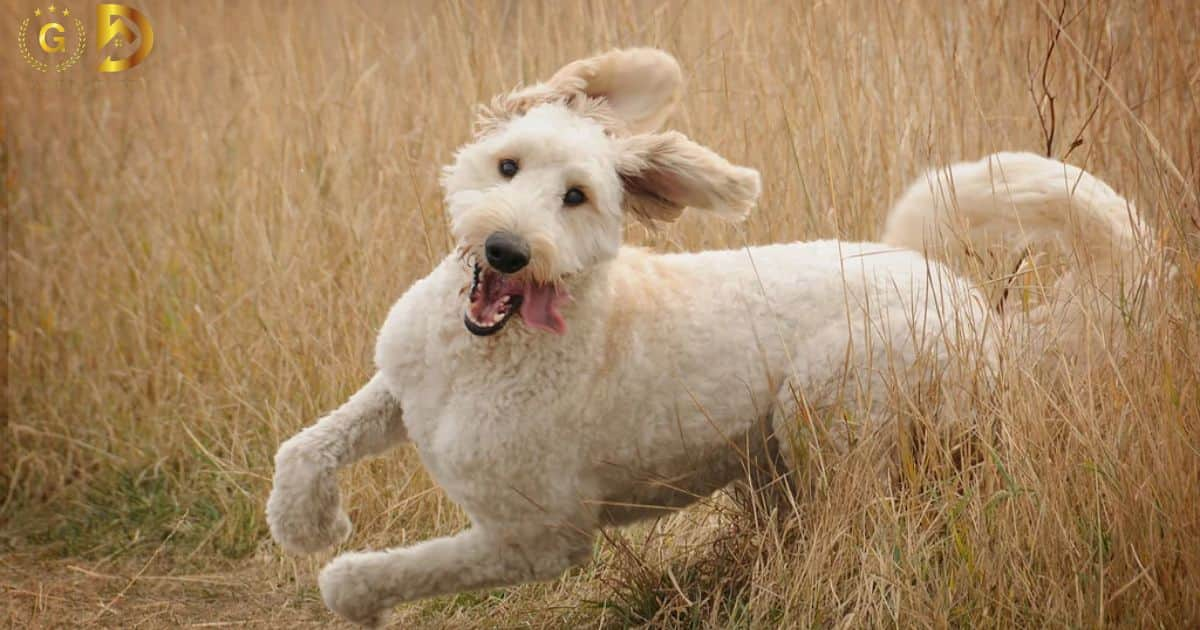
[(363, 587), (304, 510)]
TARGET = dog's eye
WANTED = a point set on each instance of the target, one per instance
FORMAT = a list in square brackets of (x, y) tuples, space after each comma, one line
[(574, 197), (508, 168)]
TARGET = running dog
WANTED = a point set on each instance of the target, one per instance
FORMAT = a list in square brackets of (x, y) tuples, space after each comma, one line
[(555, 382)]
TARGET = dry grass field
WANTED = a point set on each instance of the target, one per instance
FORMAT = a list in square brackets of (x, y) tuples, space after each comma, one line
[(198, 253)]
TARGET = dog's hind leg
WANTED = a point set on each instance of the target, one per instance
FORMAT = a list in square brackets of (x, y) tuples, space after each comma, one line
[(364, 586), (304, 511)]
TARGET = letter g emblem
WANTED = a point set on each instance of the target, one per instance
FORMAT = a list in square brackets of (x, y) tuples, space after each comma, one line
[(52, 43)]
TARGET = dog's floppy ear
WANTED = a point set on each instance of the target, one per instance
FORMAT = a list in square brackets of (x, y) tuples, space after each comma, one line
[(663, 173), (642, 85)]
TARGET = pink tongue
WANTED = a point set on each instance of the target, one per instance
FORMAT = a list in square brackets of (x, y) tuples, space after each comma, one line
[(539, 307)]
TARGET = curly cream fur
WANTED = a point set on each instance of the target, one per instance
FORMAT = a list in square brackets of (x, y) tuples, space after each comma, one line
[(304, 511), (624, 91)]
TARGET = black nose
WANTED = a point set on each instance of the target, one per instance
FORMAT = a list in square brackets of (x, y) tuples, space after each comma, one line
[(506, 252)]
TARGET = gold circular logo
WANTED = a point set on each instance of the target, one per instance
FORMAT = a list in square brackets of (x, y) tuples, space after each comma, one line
[(44, 39)]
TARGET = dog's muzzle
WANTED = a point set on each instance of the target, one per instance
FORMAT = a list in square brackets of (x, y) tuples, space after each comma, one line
[(498, 291)]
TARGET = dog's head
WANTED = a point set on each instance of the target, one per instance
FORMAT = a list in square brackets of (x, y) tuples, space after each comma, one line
[(541, 193)]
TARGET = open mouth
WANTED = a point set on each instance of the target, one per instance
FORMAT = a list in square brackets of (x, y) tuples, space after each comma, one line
[(496, 297)]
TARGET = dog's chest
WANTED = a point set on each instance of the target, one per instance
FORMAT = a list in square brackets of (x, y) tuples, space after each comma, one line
[(489, 429)]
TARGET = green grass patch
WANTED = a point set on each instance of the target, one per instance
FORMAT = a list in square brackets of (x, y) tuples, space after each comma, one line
[(138, 511)]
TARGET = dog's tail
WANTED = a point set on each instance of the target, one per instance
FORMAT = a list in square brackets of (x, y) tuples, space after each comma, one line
[(1040, 237)]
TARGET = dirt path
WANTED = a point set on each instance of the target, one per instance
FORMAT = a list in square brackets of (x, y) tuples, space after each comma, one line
[(40, 593)]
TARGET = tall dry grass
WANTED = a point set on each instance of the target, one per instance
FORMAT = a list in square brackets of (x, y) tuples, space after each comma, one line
[(199, 253)]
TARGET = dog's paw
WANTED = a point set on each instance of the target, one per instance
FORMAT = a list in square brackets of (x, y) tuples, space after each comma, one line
[(346, 588), (301, 534), (304, 511)]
